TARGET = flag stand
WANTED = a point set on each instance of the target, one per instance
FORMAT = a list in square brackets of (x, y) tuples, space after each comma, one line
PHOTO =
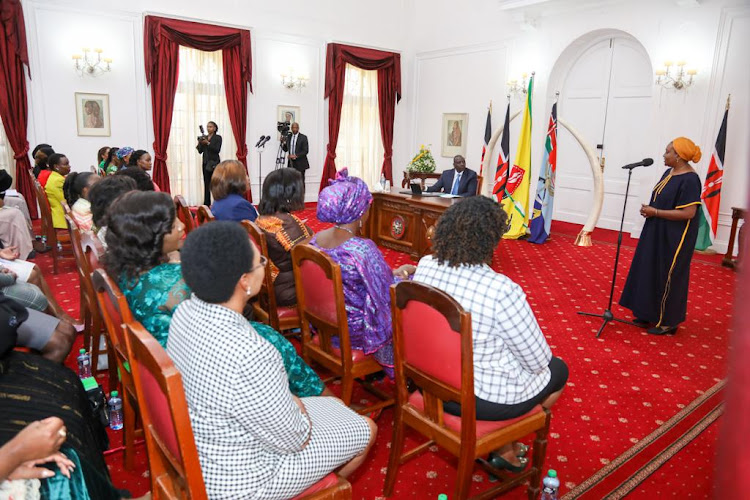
[(607, 316)]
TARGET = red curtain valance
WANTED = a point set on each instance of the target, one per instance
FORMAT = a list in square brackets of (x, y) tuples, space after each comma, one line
[(388, 66), (14, 110), (162, 40)]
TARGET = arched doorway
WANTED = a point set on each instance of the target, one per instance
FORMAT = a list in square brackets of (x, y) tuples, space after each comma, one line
[(606, 84)]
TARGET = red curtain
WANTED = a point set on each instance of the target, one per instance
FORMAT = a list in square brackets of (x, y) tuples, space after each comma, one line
[(13, 106), (162, 40), (388, 65)]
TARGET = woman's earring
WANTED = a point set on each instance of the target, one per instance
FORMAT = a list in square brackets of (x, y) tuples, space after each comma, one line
[(249, 291)]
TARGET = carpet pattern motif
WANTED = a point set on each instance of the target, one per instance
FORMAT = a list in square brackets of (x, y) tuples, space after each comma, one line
[(622, 386)]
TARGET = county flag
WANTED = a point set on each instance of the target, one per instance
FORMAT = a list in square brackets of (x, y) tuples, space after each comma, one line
[(516, 200), (487, 136), (501, 172), (711, 195), (541, 219)]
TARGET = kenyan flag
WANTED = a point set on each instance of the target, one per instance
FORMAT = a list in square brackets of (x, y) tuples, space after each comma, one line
[(711, 195)]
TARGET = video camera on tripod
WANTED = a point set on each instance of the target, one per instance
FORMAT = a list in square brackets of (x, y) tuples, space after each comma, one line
[(284, 129)]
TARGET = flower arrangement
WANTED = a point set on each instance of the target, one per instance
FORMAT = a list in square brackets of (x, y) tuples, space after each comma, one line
[(423, 162)]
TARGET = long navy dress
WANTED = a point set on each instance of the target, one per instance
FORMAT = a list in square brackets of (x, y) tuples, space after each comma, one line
[(657, 286)]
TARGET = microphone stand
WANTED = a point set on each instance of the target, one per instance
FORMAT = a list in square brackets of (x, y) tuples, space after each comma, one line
[(260, 149), (607, 316)]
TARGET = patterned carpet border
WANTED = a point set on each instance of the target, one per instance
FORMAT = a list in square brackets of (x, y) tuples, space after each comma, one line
[(617, 491)]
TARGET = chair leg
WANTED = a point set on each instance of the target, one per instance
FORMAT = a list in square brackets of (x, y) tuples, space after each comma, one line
[(537, 464), (347, 387), (397, 445), (114, 379), (129, 430), (463, 475)]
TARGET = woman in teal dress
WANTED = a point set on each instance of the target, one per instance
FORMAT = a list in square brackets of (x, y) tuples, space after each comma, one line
[(143, 241)]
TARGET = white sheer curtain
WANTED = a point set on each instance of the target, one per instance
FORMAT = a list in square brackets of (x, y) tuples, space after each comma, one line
[(7, 162), (200, 98), (360, 146)]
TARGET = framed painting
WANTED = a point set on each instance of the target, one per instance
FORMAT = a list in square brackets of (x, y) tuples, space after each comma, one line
[(454, 134), (289, 114), (92, 114)]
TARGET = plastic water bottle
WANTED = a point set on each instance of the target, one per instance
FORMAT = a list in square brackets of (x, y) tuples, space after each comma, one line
[(382, 181), (115, 412), (84, 364), (551, 485)]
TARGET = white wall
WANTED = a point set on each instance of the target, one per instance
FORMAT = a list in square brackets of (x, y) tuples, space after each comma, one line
[(711, 36), (293, 33)]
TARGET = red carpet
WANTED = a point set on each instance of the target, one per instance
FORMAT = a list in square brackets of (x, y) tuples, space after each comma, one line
[(622, 387)]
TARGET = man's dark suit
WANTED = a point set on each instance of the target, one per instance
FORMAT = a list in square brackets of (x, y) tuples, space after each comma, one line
[(467, 185), (211, 158), (301, 147)]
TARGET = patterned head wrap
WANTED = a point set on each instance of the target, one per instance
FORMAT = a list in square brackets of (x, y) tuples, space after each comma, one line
[(345, 200), (686, 149), (123, 152)]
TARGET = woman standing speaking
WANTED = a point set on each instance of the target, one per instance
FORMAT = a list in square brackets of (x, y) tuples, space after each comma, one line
[(657, 286), (209, 146)]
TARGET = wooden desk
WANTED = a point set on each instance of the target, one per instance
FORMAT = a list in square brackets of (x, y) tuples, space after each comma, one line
[(405, 223)]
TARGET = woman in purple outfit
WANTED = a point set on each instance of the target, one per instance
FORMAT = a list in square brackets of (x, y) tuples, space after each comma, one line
[(364, 271)]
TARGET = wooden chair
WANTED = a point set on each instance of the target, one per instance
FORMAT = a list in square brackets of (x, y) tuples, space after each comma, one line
[(204, 215), (433, 346), (54, 236), (115, 312), (174, 465), (320, 302), (183, 213), (265, 309), (480, 181)]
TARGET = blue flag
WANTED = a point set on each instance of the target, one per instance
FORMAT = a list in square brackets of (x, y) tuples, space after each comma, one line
[(541, 218)]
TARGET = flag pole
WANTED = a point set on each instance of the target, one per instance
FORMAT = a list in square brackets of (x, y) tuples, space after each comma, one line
[(729, 98)]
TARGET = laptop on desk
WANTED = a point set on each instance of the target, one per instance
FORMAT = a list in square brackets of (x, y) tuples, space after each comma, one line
[(416, 190)]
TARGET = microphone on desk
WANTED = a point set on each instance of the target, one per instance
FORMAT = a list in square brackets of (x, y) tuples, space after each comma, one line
[(643, 163), (260, 140)]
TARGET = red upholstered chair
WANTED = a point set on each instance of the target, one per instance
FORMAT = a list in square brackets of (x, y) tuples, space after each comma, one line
[(173, 458), (115, 313), (183, 213), (320, 301), (265, 309), (432, 343), (204, 215), (63, 252)]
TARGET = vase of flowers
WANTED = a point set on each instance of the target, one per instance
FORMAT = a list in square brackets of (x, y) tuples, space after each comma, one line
[(423, 162)]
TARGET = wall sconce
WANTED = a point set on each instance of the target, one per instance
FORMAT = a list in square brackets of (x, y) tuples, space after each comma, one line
[(682, 79), (88, 64), (292, 82), (521, 89)]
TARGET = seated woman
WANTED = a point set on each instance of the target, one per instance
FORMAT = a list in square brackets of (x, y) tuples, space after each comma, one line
[(15, 230), (141, 178), (229, 184), (101, 196), (258, 440), (142, 159), (40, 154), (143, 239), (43, 409), (112, 163), (364, 271), (101, 161), (283, 193), (76, 189), (54, 188), (514, 369), (123, 155)]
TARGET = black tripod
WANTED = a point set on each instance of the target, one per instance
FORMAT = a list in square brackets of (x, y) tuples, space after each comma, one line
[(607, 316)]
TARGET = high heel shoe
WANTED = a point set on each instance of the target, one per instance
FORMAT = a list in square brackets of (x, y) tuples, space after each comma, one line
[(499, 462), (662, 330)]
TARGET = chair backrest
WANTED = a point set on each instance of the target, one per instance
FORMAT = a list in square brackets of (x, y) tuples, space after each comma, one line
[(204, 215), (172, 454), (432, 341), (115, 313), (183, 213), (320, 298), (480, 181), (45, 213), (267, 295)]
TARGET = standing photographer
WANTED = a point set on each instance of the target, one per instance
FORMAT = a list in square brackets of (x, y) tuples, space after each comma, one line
[(209, 146), (297, 146)]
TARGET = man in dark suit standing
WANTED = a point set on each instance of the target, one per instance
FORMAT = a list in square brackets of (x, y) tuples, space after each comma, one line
[(459, 180), (297, 147)]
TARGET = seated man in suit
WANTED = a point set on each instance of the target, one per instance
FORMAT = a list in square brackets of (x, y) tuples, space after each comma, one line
[(460, 180)]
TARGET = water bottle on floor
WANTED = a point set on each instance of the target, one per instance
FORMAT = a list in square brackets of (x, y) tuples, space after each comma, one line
[(551, 486), (115, 412), (84, 364)]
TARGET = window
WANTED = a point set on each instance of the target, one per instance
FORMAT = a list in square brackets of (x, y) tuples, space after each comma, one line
[(200, 98), (360, 146)]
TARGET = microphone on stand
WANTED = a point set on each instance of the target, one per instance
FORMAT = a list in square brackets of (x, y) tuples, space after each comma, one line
[(260, 140), (264, 141), (643, 163)]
